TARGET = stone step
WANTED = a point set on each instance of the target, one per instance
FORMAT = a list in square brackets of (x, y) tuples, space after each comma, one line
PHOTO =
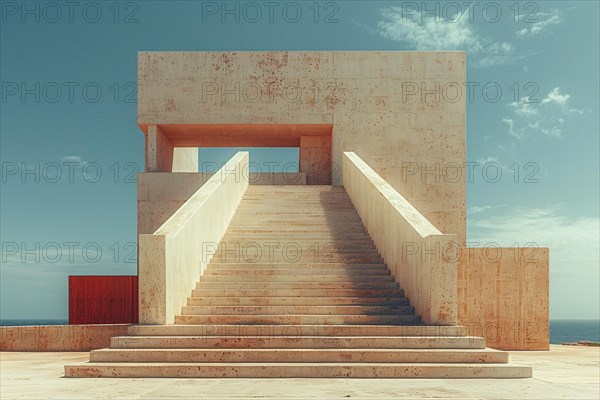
[(269, 230), (297, 310), (319, 200), (250, 218), (273, 247), (304, 244), (295, 370), (292, 248), (251, 222), (300, 319), (297, 278), (301, 202), (447, 332), (289, 231), (297, 293), (290, 220), (294, 224), (300, 355), (298, 285), (295, 301), (292, 255), (292, 259), (292, 234), (350, 267), (298, 209), (293, 242), (295, 342), (334, 203), (296, 212), (214, 270)]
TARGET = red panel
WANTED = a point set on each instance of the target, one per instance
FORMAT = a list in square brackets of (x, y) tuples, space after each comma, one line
[(103, 299)]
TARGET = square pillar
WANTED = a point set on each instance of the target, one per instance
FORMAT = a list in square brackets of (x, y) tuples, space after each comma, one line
[(315, 159), (161, 156), (159, 151)]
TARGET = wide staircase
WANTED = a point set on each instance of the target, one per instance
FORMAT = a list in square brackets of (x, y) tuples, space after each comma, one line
[(297, 289)]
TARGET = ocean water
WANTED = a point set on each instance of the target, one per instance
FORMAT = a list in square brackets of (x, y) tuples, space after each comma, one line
[(21, 322), (569, 330), (561, 330)]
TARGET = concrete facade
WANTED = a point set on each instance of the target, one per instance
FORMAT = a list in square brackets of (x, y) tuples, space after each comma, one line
[(402, 113), (379, 105)]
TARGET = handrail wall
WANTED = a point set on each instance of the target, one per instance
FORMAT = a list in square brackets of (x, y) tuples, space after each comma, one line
[(172, 259), (421, 258)]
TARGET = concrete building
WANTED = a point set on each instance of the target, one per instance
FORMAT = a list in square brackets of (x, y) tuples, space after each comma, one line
[(354, 266)]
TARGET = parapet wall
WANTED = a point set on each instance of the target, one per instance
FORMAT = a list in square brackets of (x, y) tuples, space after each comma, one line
[(59, 337)]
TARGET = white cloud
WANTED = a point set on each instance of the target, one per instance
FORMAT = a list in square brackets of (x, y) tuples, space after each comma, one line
[(524, 107), (543, 26), (547, 116), (427, 33), (555, 96), (486, 160)]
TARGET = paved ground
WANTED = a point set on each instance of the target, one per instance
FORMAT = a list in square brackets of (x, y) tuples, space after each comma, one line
[(563, 373)]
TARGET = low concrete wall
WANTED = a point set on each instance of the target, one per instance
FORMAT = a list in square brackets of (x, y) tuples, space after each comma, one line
[(421, 258), (172, 259), (59, 337), (503, 296)]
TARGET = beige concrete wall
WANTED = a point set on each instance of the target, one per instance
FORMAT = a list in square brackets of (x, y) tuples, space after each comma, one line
[(172, 259), (421, 258), (503, 296), (59, 337), (377, 103)]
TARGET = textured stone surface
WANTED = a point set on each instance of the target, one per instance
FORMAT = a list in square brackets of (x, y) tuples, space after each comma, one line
[(363, 95), (297, 370), (503, 296), (565, 372)]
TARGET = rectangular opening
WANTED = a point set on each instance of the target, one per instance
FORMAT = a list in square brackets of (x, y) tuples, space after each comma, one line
[(262, 159)]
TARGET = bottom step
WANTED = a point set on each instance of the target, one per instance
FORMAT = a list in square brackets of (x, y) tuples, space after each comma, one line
[(289, 370)]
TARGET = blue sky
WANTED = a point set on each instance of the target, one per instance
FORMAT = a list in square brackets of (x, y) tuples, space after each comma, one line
[(68, 114)]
